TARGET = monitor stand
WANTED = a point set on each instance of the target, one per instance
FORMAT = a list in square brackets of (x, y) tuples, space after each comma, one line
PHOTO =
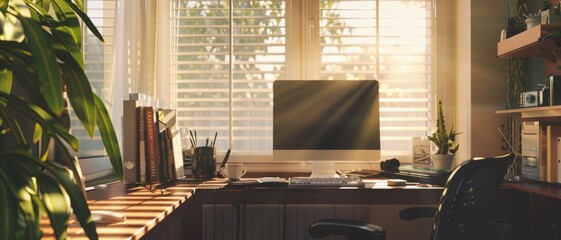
[(324, 169)]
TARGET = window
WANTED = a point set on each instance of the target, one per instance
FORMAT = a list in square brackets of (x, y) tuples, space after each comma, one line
[(226, 54), (98, 59), (98, 63)]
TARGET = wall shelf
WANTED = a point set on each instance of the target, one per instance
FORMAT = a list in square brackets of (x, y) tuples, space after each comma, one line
[(537, 113), (527, 43)]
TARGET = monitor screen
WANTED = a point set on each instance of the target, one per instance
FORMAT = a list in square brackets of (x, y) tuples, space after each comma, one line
[(326, 120)]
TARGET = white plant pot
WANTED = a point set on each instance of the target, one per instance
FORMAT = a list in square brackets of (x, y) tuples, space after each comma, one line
[(532, 22), (443, 162)]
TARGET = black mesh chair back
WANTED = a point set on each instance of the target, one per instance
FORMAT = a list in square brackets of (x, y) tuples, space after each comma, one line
[(464, 211), (469, 198)]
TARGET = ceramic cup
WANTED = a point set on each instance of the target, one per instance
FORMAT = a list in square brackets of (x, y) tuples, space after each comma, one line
[(233, 171)]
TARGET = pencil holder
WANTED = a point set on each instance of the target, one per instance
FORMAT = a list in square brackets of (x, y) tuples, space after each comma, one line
[(204, 163)]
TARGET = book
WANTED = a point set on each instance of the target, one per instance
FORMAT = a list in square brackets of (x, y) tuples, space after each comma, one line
[(141, 145), (151, 142), (167, 155), (171, 155), (130, 135), (174, 156), (162, 144)]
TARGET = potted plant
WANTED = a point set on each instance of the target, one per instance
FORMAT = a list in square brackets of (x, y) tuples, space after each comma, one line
[(445, 142), (41, 61), (550, 13), (533, 20)]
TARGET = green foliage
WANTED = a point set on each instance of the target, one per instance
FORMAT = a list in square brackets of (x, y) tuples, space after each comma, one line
[(444, 140), (208, 30), (40, 55)]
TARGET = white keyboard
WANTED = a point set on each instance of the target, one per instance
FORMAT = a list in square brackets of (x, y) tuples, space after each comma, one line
[(325, 182)]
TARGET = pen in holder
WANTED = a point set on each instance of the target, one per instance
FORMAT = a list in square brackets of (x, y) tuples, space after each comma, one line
[(204, 163)]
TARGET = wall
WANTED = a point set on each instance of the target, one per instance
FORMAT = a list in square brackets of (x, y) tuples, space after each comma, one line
[(480, 76)]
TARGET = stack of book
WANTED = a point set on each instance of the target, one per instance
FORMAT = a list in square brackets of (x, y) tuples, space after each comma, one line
[(149, 137)]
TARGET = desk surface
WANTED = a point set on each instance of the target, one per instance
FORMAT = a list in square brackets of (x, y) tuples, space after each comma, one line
[(374, 192), (145, 209), (142, 208)]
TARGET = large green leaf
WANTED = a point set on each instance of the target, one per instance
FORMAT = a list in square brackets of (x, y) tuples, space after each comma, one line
[(41, 47), (57, 205), (67, 16), (6, 78), (80, 94), (24, 72), (7, 203), (63, 36), (66, 158), (109, 138), (64, 178), (26, 206), (4, 6), (12, 124), (66, 30), (85, 19), (40, 116), (77, 198), (80, 4)]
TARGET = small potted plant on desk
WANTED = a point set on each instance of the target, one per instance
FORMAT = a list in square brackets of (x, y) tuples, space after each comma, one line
[(445, 141)]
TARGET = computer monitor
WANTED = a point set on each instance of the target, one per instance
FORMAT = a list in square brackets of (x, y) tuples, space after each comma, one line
[(326, 121)]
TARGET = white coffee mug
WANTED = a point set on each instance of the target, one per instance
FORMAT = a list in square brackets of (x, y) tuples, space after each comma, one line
[(233, 171)]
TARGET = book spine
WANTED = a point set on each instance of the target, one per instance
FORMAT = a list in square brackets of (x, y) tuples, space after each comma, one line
[(130, 136), (163, 155), (170, 157), (141, 145), (164, 175), (175, 157), (151, 142)]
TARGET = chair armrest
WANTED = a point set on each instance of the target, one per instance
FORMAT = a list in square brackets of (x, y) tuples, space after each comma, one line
[(413, 213), (350, 228)]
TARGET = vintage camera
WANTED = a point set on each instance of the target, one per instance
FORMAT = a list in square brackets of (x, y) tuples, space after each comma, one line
[(535, 98)]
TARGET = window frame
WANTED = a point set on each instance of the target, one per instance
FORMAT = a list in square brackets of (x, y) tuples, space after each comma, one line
[(442, 81)]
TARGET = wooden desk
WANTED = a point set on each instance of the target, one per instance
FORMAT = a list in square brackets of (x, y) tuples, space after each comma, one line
[(177, 213), (533, 207), (147, 213), (234, 202)]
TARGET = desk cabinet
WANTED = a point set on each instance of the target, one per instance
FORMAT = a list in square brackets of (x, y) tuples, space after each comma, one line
[(268, 213)]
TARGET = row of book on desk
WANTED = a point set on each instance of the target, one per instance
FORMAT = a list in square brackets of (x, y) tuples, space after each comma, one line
[(151, 142)]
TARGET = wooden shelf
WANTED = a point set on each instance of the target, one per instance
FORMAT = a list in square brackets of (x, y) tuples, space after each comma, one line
[(527, 43), (544, 113)]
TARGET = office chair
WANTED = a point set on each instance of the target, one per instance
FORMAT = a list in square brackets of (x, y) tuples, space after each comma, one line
[(463, 212)]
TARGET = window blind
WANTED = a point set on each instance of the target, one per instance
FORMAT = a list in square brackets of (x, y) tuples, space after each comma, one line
[(390, 41), (226, 54), (98, 64)]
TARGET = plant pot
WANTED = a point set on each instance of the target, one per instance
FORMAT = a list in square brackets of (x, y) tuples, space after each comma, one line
[(443, 162), (532, 22)]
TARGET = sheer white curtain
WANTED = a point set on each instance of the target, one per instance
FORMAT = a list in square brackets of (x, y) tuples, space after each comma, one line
[(134, 57)]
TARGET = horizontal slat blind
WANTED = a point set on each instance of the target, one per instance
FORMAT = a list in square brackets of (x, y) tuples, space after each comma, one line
[(225, 84), (398, 54), (98, 60)]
